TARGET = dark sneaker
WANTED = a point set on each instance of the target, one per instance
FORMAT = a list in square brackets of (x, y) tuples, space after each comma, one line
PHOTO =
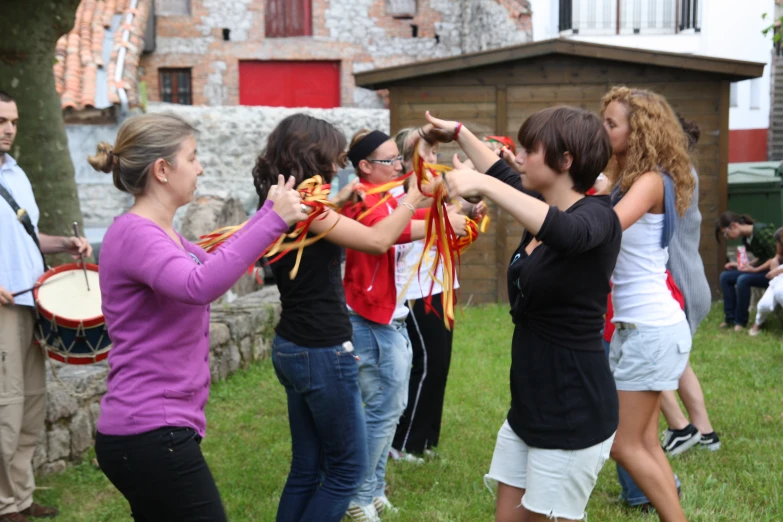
[(710, 441), (676, 442), (39, 511)]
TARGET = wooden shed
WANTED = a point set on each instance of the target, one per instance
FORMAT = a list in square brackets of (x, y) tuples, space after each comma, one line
[(493, 92)]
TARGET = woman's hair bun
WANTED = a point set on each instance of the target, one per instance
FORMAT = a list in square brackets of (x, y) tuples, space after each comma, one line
[(103, 160)]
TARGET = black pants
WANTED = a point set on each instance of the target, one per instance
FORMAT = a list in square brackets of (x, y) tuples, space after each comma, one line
[(162, 474), (419, 426)]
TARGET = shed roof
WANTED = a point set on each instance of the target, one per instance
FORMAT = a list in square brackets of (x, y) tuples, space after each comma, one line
[(732, 70)]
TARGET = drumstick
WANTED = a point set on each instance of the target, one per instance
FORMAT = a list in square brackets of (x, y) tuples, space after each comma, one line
[(20, 292), (81, 256)]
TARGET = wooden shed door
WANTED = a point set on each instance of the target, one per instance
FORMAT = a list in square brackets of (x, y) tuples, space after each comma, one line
[(290, 84)]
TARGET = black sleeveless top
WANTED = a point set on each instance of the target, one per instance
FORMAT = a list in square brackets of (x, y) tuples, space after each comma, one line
[(314, 313)]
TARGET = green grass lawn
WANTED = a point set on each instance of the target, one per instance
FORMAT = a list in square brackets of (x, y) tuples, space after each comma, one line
[(248, 443)]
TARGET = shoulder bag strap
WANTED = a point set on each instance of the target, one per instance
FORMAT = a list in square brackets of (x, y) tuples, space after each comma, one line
[(24, 220)]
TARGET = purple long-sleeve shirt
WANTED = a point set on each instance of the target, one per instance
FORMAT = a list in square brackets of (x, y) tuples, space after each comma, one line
[(156, 305)]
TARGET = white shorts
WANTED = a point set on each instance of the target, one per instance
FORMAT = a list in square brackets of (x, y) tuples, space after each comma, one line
[(557, 483), (649, 358)]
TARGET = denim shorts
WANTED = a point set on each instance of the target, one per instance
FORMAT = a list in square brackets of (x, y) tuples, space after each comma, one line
[(649, 358), (557, 483)]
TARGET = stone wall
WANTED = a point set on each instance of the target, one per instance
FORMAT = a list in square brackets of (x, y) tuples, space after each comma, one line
[(358, 34), (240, 333), (229, 140)]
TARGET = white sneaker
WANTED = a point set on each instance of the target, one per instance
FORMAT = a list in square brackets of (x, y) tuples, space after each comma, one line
[(383, 506), (400, 456), (360, 513)]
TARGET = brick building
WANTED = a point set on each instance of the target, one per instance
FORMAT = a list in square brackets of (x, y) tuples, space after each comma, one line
[(304, 52)]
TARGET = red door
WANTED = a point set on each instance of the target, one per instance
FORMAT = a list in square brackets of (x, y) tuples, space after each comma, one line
[(289, 84)]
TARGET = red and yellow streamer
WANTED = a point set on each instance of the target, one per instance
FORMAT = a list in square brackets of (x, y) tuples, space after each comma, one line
[(315, 194), (439, 236), (379, 189)]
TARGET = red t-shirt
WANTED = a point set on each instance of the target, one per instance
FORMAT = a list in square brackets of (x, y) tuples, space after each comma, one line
[(369, 281)]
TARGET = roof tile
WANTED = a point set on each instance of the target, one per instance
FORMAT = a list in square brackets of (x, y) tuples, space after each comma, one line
[(79, 54)]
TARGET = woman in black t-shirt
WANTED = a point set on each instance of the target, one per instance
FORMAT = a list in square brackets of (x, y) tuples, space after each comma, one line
[(312, 351), (564, 409)]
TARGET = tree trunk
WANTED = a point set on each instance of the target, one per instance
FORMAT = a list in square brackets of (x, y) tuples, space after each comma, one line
[(31, 29)]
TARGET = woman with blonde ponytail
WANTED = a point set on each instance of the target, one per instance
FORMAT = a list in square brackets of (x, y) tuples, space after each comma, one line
[(156, 288)]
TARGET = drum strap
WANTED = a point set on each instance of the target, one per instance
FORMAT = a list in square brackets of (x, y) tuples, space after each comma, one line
[(24, 219)]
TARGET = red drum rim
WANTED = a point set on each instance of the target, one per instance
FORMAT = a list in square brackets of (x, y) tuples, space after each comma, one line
[(77, 359), (64, 321)]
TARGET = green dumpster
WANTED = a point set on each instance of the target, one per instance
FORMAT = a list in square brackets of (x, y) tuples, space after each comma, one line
[(755, 189)]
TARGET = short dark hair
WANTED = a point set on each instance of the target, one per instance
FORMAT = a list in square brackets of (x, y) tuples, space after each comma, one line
[(5, 97), (576, 131)]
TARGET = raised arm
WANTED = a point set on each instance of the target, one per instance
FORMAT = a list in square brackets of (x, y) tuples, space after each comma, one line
[(163, 266), (645, 194), (567, 233), (446, 131), (528, 210), (573, 233), (483, 159), (376, 234)]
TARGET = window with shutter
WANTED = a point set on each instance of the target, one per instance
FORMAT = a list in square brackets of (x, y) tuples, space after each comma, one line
[(286, 18), (175, 86), (690, 16), (648, 17), (595, 17)]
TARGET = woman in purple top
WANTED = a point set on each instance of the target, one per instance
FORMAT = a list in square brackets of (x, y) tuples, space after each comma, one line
[(156, 288)]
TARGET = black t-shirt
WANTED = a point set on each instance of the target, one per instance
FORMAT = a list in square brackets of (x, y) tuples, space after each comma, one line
[(563, 394), (313, 313)]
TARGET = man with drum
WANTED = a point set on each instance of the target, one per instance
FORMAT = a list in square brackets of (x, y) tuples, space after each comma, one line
[(22, 375)]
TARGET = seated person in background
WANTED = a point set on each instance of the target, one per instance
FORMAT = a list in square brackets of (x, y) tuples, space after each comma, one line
[(774, 294), (736, 281)]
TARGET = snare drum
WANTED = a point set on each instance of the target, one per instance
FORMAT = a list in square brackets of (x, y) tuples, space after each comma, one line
[(70, 321)]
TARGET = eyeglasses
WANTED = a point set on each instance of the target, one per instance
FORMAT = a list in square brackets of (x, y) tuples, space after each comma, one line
[(388, 162)]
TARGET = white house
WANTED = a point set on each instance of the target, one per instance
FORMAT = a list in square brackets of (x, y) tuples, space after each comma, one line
[(719, 28)]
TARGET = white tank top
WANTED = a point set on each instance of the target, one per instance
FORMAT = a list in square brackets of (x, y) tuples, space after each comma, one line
[(639, 293), (416, 285)]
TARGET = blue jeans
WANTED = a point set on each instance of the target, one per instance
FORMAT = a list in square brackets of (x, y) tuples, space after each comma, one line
[(735, 286), (385, 357), (328, 437), (631, 493)]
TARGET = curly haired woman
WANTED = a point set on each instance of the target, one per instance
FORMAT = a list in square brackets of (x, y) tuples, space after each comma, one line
[(650, 348), (312, 351)]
